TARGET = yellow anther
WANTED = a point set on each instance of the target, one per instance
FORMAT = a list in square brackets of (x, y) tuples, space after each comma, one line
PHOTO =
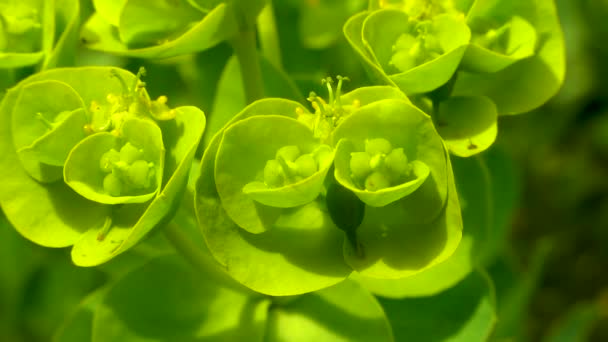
[(162, 99), (356, 103)]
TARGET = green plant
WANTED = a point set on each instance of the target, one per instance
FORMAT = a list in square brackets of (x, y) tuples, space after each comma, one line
[(321, 217)]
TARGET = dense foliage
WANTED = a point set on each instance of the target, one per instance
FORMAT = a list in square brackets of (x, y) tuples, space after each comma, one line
[(288, 170)]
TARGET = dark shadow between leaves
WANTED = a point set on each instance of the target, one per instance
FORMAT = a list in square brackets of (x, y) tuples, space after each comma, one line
[(405, 235), (440, 317)]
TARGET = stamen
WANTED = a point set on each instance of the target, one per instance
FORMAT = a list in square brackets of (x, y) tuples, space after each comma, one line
[(125, 88)]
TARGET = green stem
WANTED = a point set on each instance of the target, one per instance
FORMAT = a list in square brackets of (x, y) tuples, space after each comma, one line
[(245, 48), (269, 38), (201, 261)]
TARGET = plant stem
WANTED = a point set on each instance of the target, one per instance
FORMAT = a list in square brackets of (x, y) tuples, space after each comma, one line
[(269, 38), (197, 258), (245, 48)]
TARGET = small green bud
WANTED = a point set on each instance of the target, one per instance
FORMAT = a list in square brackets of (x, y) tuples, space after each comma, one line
[(130, 153), (396, 161), (376, 181), (377, 146), (431, 44), (306, 165), (112, 185), (376, 163), (359, 165), (273, 174), (288, 153), (138, 174), (108, 159)]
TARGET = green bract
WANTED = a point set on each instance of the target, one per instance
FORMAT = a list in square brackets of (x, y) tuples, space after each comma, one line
[(92, 162), (281, 224), (415, 53), (467, 62), (37, 31), (161, 29)]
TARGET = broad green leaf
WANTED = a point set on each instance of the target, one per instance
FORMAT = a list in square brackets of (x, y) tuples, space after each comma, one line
[(215, 26), (23, 26), (146, 305), (382, 33), (41, 109), (244, 150), (343, 312), (401, 239), (353, 32), (53, 148), (130, 224), (366, 95), (497, 48), (84, 174), (149, 22), (50, 215), (487, 190), (36, 31), (390, 119), (530, 82), (464, 313), (467, 124), (303, 250)]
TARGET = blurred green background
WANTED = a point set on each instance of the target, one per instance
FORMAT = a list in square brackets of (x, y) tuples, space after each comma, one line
[(551, 278)]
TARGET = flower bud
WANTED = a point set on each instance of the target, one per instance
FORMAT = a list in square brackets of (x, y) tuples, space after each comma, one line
[(137, 174), (376, 181), (377, 146), (288, 153), (108, 159), (359, 165), (130, 153), (306, 165), (112, 185), (273, 174)]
